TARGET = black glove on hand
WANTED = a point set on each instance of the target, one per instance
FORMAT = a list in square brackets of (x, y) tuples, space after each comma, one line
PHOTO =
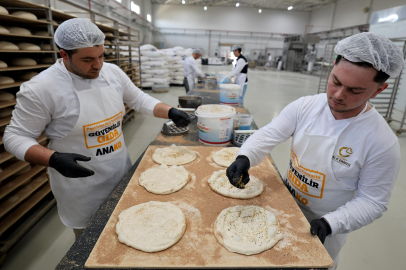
[(237, 173), (180, 118), (321, 228), (65, 164)]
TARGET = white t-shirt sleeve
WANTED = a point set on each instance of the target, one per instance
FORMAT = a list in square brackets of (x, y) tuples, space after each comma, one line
[(30, 117), (281, 128), (375, 185), (238, 67), (134, 97)]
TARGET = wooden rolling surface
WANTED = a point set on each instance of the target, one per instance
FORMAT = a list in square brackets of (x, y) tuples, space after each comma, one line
[(198, 248)]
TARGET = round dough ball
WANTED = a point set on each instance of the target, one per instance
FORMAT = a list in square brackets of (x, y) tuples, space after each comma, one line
[(5, 45), (163, 179), (46, 47), (18, 62), (4, 30), (225, 156), (108, 34), (3, 11), (5, 96), (247, 229), (219, 183), (108, 42), (19, 31), (24, 170), (47, 60), (6, 80), (151, 226), (42, 33), (28, 46), (3, 64), (24, 15), (28, 75), (173, 155), (6, 112)]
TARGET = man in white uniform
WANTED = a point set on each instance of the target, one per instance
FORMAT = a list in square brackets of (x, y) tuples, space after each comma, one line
[(344, 157), (78, 102), (191, 70), (240, 71)]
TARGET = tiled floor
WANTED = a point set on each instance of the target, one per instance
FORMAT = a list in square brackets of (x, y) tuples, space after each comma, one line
[(380, 245)]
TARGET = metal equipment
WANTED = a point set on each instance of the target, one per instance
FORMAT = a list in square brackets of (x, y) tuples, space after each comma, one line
[(240, 136), (295, 49)]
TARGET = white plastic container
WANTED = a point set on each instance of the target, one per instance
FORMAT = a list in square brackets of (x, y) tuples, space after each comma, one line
[(230, 94), (215, 124), (221, 78), (244, 121)]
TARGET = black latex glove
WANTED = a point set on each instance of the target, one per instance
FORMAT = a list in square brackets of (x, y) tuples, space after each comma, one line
[(321, 228), (180, 118), (237, 173), (65, 164)]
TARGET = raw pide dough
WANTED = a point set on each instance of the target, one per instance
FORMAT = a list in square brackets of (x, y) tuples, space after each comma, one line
[(23, 62), (6, 112), (3, 64), (5, 45), (225, 156), (46, 47), (42, 33), (4, 96), (47, 60), (163, 179), (28, 75), (151, 226), (28, 46), (24, 15), (4, 30), (174, 155), (3, 11), (6, 80), (19, 31), (247, 229), (218, 181)]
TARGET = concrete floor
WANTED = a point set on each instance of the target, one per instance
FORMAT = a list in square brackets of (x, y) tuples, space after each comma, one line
[(380, 245)]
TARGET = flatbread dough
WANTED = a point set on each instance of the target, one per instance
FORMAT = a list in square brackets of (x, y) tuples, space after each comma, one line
[(47, 60), (3, 64), (5, 45), (24, 15), (28, 75), (45, 47), (151, 226), (23, 62), (19, 31), (3, 10), (225, 156), (163, 179), (28, 46), (4, 96), (219, 183), (6, 112), (174, 155), (42, 33), (247, 229), (6, 80), (4, 30)]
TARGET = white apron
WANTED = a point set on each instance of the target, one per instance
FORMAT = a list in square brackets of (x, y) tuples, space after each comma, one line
[(240, 79), (97, 134), (191, 81), (311, 181)]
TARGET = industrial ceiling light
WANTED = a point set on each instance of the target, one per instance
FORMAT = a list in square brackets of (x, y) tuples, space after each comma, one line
[(205, 8), (183, 2), (290, 8), (237, 5), (259, 10)]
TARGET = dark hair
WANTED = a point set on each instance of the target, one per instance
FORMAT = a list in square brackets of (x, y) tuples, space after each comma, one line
[(380, 76), (239, 50), (69, 52)]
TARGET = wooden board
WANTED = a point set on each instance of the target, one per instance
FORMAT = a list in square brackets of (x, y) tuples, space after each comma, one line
[(198, 248)]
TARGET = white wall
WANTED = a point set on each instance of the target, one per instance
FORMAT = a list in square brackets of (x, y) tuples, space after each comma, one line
[(194, 24)]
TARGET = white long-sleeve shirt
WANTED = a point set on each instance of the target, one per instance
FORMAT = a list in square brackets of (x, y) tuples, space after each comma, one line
[(191, 68), (46, 104), (238, 67), (376, 152)]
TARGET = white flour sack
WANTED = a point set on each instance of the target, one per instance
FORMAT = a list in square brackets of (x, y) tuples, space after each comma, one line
[(148, 47), (157, 71), (152, 54)]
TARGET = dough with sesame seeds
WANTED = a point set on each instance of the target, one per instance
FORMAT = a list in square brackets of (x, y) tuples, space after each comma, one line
[(225, 156), (247, 229), (163, 179), (174, 155), (220, 184), (151, 226)]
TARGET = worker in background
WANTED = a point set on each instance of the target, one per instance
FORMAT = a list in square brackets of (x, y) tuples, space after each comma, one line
[(240, 71), (344, 158), (191, 71), (269, 60), (79, 103)]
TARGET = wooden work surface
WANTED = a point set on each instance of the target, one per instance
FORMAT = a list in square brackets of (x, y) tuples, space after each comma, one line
[(198, 248)]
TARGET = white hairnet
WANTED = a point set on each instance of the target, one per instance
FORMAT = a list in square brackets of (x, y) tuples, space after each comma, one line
[(197, 51), (383, 54), (235, 47), (78, 33)]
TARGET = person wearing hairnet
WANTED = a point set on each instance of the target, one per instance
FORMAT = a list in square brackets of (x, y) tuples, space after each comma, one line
[(191, 70), (79, 103), (240, 71), (344, 156)]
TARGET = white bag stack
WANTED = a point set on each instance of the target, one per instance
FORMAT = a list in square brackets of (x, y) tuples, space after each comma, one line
[(154, 67), (175, 58)]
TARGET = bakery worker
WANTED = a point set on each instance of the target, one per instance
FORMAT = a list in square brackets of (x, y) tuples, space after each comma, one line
[(344, 156), (191, 70), (240, 71), (79, 103)]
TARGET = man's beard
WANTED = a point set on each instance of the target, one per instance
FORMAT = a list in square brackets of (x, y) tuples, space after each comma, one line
[(343, 111), (75, 70)]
